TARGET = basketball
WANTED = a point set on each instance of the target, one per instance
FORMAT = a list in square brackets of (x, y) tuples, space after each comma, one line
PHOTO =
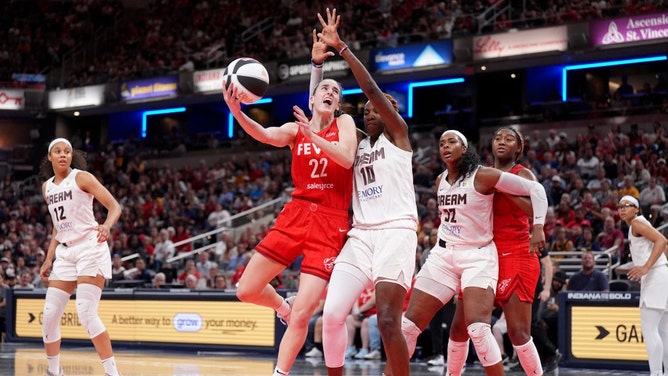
[(249, 76)]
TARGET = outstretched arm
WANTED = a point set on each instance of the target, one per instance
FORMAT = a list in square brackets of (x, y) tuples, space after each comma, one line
[(276, 136), (395, 125)]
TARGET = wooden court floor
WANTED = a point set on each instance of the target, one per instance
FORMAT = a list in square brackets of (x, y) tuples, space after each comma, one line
[(27, 359)]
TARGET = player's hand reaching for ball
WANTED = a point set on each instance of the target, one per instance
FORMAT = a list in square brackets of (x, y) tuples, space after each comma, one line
[(231, 97)]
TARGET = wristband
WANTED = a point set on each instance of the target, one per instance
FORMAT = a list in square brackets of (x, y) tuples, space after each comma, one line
[(341, 51), (315, 65)]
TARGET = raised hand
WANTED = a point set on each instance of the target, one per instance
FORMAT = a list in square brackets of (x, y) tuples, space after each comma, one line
[(319, 51), (329, 33)]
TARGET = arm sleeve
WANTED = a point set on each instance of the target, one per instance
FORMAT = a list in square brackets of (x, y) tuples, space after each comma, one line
[(515, 185), (316, 77)]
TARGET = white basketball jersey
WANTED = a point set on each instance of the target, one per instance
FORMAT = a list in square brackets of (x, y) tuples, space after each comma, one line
[(384, 195), (641, 247), (71, 209), (466, 214)]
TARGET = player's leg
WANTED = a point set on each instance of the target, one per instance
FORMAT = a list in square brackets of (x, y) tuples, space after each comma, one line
[(518, 319), (57, 296), (308, 297), (345, 286), (88, 295)]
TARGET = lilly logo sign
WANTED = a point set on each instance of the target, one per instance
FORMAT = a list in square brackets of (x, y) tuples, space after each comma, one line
[(628, 29), (187, 322)]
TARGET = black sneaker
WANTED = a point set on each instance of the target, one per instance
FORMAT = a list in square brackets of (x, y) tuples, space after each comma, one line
[(515, 367), (553, 363)]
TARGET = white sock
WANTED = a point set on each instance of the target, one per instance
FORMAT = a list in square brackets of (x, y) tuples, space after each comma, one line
[(278, 372), (457, 354), (411, 333), (109, 365), (54, 364), (528, 356), (284, 309)]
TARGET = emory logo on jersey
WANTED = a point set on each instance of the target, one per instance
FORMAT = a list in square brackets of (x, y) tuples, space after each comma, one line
[(58, 197), (370, 193), (65, 226)]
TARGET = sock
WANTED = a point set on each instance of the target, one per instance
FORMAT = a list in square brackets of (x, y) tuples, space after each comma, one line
[(278, 372), (529, 358), (54, 364), (411, 333), (457, 354), (109, 365), (284, 309), (318, 345)]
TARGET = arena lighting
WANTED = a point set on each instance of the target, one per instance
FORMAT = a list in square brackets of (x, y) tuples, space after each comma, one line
[(230, 117), (146, 114), (413, 85), (351, 91), (564, 70)]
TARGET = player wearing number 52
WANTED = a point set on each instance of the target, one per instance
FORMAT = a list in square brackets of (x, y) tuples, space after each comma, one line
[(465, 259), (315, 222), (80, 249)]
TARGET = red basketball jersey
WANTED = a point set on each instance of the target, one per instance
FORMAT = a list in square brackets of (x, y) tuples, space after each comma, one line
[(511, 224), (317, 178)]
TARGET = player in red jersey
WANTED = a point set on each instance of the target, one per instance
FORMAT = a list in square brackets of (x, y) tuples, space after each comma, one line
[(519, 268), (315, 222)]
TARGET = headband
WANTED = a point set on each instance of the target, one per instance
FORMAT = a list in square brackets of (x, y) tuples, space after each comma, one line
[(632, 199), (458, 134), (57, 140)]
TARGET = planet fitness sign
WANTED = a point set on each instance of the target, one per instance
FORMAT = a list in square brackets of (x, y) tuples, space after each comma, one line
[(628, 29)]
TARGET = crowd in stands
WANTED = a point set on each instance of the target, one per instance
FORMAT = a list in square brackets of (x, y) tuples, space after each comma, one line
[(165, 37), (584, 177)]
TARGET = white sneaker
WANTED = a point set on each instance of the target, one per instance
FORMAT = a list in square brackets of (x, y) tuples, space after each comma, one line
[(60, 373), (286, 319), (350, 352), (438, 360), (361, 354), (373, 355), (314, 353)]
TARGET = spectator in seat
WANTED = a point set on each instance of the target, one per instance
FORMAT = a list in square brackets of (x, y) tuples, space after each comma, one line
[(588, 278), (611, 237)]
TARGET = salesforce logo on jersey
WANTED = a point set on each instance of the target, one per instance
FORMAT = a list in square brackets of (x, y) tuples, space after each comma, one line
[(187, 322), (370, 193)]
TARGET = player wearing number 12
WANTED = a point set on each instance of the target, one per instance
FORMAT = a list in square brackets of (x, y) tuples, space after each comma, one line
[(315, 222), (79, 246)]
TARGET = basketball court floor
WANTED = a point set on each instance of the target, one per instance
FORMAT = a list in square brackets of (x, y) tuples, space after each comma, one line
[(27, 359)]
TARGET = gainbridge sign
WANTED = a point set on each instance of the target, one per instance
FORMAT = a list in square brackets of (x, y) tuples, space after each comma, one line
[(601, 328), (163, 318)]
